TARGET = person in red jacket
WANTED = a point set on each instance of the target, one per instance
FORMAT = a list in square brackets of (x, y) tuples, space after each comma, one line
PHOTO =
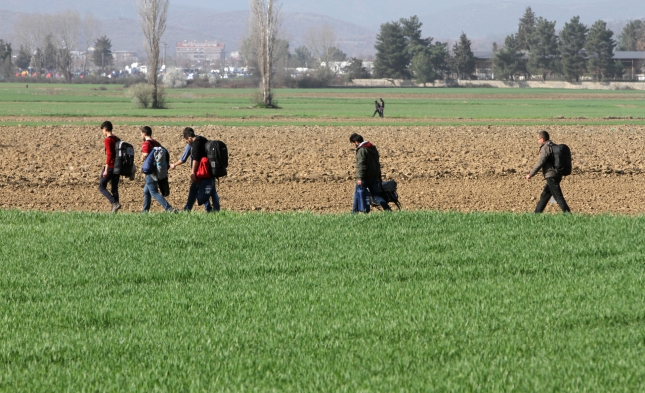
[(107, 174)]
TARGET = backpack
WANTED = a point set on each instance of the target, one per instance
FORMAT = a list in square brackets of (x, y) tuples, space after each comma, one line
[(156, 163), (124, 160), (217, 154), (388, 192), (561, 159)]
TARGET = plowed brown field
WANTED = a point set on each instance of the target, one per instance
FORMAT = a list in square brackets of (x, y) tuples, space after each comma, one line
[(311, 168)]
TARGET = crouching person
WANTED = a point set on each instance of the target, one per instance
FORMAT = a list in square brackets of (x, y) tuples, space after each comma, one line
[(151, 188), (368, 176), (202, 187)]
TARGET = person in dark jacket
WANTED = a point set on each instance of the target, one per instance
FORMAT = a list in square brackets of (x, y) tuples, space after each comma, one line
[(553, 179), (368, 175), (377, 109), (382, 106), (202, 188)]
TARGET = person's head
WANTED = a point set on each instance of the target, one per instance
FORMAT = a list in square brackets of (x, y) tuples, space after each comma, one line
[(356, 139), (542, 137), (146, 131), (106, 127), (189, 135)]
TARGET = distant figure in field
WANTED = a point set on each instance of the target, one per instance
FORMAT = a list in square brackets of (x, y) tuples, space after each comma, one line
[(377, 109), (382, 111), (368, 176), (107, 174), (552, 177)]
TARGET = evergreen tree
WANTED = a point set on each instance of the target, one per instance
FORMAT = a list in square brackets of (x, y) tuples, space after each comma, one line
[(355, 70), (633, 33), (525, 29), (431, 63), (302, 57), (47, 57), (102, 56), (412, 33), (509, 60), (572, 42), (543, 54), (335, 54), (600, 51), (392, 54), (23, 59), (464, 60)]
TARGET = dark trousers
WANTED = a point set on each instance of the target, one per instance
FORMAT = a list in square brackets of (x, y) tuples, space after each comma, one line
[(552, 189), (114, 185)]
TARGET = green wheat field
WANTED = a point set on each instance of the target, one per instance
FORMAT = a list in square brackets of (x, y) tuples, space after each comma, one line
[(410, 301)]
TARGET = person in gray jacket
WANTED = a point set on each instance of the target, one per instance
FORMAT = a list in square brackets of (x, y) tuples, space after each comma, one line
[(552, 187)]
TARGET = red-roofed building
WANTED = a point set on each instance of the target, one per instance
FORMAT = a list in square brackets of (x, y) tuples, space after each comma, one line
[(200, 50)]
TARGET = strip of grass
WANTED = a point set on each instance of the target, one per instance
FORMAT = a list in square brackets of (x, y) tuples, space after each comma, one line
[(417, 301), (421, 105)]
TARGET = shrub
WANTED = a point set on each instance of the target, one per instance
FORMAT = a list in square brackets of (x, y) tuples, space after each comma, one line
[(141, 95), (174, 78)]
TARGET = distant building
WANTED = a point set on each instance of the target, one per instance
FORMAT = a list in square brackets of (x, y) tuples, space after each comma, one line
[(200, 50)]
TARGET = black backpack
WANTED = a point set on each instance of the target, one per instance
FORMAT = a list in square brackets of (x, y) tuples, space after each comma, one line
[(561, 159), (217, 154), (124, 160)]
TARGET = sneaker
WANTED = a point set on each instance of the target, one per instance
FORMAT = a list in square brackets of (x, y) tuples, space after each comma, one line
[(115, 207), (172, 210)]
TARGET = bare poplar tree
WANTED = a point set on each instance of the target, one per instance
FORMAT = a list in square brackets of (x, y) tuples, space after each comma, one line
[(65, 27), (153, 15), (320, 40), (31, 32), (91, 29), (264, 25)]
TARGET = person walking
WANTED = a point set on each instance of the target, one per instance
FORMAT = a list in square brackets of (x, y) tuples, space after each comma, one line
[(377, 109), (382, 108), (107, 174), (368, 175), (151, 188), (553, 179), (202, 189)]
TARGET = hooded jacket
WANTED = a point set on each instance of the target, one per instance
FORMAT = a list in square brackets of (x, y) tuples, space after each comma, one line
[(367, 162), (545, 161)]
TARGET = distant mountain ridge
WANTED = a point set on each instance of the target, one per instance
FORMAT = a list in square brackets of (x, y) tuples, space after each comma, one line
[(356, 23)]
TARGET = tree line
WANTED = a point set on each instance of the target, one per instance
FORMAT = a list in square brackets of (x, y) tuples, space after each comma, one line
[(535, 50)]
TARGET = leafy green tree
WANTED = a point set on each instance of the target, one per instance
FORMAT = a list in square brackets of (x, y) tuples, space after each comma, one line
[(430, 64), (509, 60), (102, 56), (572, 42), (464, 60), (5, 58), (525, 29), (23, 59), (355, 70), (600, 51), (302, 57), (392, 54), (543, 54), (633, 34)]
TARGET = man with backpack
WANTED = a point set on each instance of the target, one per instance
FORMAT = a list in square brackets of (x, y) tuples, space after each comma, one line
[(551, 156), (151, 188), (202, 187), (368, 176), (107, 174)]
